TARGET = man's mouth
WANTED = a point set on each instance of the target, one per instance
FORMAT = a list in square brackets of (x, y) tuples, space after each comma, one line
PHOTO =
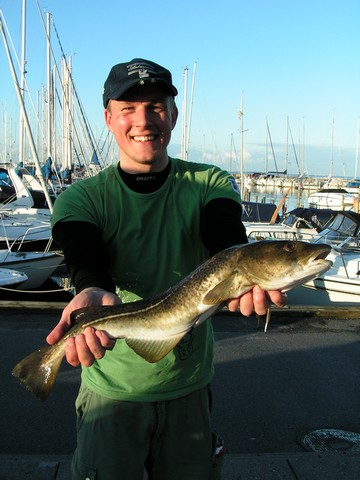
[(144, 138)]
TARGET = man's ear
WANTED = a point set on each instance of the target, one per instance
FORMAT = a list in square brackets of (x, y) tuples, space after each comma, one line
[(174, 116), (108, 118)]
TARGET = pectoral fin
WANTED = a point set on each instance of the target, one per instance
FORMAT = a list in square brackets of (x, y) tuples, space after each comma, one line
[(154, 350), (232, 287)]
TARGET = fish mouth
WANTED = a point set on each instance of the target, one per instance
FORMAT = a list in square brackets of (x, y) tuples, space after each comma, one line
[(318, 256), (313, 264), (323, 253)]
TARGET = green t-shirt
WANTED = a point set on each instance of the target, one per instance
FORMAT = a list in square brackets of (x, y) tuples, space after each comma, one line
[(154, 240)]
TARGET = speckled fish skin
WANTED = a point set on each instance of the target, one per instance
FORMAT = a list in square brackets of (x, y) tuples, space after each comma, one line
[(153, 327)]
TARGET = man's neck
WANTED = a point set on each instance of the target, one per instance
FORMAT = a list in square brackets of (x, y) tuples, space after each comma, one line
[(147, 182), (143, 168)]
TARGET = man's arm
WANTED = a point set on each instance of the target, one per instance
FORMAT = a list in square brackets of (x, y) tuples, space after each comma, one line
[(87, 260), (222, 227), (85, 254)]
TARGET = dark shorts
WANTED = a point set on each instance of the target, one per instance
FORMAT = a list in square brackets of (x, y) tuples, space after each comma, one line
[(171, 440)]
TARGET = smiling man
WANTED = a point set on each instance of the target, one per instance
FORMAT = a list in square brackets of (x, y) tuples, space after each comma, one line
[(131, 232)]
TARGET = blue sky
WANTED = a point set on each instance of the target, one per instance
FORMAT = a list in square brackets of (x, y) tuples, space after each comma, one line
[(295, 60)]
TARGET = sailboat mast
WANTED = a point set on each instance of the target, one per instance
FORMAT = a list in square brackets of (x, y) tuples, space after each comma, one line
[(184, 116), (22, 81), (357, 148), (332, 149), (287, 146), (190, 113), (49, 110), (25, 117), (241, 118)]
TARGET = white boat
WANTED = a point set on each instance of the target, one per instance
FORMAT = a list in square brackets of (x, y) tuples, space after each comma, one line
[(279, 231), (27, 229), (353, 187), (299, 224), (38, 266), (340, 285), (11, 278), (336, 199), (23, 226)]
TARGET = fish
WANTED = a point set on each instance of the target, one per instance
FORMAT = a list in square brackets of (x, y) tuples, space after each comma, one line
[(152, 327)]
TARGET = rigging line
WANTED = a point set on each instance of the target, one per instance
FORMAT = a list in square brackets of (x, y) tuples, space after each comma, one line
[(25, 117), (18, 290), (272, 147), (90, 135), (293, 145), (26, 89), (83, 113)]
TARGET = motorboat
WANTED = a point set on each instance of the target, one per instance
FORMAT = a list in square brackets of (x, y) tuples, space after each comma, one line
[(334, 198), (24, 229), (38, 266), (340, 285), (301, 224), (23, 225), (10, 278)]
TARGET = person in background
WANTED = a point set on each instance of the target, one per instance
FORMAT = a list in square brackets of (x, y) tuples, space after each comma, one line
[(130, 232)]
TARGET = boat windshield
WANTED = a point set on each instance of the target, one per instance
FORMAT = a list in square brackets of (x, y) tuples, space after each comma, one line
[(338, 232)]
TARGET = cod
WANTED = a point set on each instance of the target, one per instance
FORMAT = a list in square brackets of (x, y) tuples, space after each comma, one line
[(153, 327)]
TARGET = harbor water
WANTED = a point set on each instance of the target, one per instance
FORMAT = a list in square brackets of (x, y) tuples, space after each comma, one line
[(293, 198)]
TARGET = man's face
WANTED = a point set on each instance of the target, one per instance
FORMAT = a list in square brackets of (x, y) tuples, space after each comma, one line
[(142, 122)]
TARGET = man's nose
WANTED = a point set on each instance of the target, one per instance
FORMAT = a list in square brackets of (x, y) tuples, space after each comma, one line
[(143, 115)]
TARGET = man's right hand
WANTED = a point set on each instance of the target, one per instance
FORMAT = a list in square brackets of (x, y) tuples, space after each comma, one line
[(92, 344)]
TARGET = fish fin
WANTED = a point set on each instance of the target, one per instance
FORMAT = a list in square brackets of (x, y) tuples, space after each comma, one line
[(153, 350), (231, 287), (267, 320), (37, 373)]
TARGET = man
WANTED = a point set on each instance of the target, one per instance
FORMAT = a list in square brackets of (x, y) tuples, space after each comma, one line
[(131, 232)]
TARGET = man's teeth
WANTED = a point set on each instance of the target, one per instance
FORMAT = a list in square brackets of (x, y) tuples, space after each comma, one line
[(144, 138)]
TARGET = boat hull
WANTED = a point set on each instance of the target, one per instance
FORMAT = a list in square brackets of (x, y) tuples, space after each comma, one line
[(328, 290), (11, 278), (37, 266)]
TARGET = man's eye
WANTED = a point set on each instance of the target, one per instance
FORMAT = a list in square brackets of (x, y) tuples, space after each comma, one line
[(158, 108)]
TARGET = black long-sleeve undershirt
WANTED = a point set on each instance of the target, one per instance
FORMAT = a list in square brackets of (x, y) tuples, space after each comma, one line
[(87, 257)]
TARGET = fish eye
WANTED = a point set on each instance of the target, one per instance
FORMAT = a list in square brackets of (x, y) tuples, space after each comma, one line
[(290, 247)]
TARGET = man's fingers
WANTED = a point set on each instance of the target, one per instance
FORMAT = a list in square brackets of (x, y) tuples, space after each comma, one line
[(57, 333), (257, 300), (261, 301), (247, 304), (88, 347), (71, 352), (107, 342)]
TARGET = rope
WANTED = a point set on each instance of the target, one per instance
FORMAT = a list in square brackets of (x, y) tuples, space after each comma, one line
[(18, 290)]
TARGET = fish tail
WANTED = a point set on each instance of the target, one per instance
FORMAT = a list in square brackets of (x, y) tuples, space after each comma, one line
[(38, 371)]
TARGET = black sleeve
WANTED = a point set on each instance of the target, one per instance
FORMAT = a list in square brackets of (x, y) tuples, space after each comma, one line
[(85, 254), (222, 225)]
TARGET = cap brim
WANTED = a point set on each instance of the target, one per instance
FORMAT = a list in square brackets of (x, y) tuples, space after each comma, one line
[(119, 92)]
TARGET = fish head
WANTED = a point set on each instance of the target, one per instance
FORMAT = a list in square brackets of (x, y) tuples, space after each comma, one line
[(271, 264), (283, 265)]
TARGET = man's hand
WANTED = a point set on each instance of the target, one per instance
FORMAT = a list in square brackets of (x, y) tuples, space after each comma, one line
[(92, 344), (256, 300)]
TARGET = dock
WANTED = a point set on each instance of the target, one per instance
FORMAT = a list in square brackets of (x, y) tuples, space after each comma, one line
[(269, 390)]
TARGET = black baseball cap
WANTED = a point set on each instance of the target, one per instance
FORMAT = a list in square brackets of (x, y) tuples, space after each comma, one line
[(136, 72)]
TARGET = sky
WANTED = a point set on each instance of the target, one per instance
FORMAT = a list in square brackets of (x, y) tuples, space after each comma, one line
[(291, 67)]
